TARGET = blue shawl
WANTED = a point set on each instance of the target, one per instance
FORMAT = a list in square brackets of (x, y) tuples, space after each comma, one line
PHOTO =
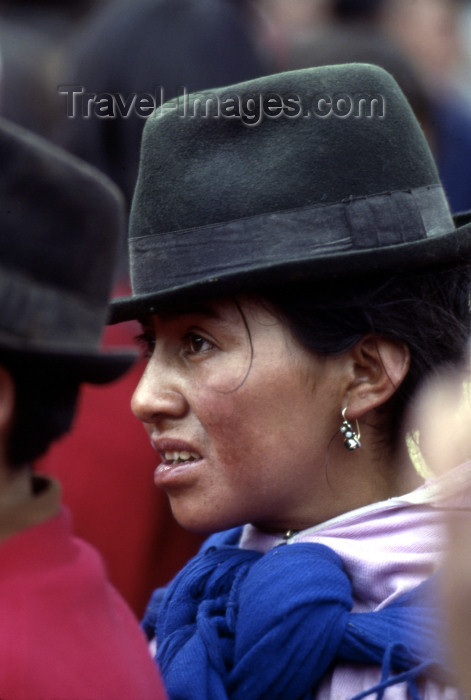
[(239, 624)]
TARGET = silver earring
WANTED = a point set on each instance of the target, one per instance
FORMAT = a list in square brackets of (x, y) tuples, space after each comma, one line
[(352, 438)]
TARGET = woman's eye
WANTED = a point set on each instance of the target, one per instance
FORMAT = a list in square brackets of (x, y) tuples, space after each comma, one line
[(146, 341), (195, 343)]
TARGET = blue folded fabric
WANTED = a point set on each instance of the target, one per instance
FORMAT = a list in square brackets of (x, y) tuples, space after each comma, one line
[(243, 625)]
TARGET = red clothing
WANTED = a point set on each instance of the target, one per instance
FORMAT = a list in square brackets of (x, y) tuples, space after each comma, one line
[(64, 630)]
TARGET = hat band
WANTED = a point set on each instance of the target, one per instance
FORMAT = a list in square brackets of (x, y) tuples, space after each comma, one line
[(269, 239), (42, 317)]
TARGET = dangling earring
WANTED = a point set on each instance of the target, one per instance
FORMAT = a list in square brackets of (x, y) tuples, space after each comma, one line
[(352, 438)]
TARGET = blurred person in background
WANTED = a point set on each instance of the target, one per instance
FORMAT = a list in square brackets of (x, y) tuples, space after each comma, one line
[(368, 30), (443, 414), (65, 632), (33, 33), (153, 47), (290, 20), (429, 33)]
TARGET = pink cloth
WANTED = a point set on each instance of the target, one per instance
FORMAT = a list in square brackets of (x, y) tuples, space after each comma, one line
[(387, 549), (64, 630)]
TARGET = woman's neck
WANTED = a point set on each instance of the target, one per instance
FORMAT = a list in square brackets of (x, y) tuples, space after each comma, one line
[(15, 486)]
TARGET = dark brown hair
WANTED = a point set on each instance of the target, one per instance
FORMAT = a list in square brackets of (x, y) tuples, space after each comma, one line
[(428, 311)]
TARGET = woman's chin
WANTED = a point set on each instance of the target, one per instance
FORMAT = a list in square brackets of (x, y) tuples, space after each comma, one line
[(202, 523)]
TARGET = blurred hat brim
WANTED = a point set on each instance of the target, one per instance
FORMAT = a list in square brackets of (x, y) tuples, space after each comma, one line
[(98, 367)]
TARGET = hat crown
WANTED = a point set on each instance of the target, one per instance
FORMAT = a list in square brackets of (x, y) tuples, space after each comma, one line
[(339, 132), (60, 223), (60, 220)]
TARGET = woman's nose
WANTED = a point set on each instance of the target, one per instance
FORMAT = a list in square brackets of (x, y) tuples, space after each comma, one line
[(158, 396)]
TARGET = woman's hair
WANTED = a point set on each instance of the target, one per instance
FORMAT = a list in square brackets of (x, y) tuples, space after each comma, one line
[(428, 311), (45, 403)]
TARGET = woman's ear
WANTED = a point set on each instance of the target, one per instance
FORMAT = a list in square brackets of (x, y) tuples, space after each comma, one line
[(7, 400), (379, 365)]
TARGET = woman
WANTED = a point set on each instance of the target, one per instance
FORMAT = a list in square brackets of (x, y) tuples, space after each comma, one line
[(297, 274)]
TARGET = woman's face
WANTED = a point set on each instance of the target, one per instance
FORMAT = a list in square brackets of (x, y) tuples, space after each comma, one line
[(242, 417)]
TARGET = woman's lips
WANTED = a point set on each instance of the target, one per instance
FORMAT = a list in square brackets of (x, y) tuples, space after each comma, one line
[(177, 457), (176, 475), (172, 449)]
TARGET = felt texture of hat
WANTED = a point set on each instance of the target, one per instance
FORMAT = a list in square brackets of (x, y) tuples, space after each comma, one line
[(304, 175), (60, 223)]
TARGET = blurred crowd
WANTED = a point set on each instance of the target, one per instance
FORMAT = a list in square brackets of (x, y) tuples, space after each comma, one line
[(123, 47), (156, 47)]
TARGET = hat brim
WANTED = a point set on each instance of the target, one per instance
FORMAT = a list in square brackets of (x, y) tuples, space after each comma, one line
[(97, 369), (422, 254), (84, 366), (462, 218)]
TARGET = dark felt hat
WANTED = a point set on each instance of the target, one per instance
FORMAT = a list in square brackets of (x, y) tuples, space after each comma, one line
[(306, 175), (60, 222)]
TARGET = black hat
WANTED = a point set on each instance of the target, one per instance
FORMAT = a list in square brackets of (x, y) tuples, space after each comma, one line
[(60, 222), (306, 175)]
